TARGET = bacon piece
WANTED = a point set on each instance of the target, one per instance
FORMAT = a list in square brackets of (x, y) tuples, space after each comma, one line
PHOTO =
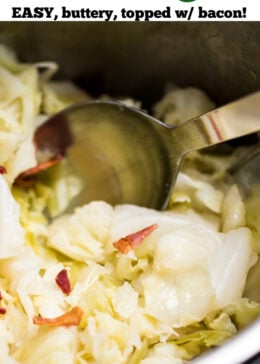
[(28, 178), (71, 318), (3, 170), (2, 309), (63, 282), (42, 166), (133, 240)]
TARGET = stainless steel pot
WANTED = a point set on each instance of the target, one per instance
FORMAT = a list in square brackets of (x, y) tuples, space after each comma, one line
[(139, 59)]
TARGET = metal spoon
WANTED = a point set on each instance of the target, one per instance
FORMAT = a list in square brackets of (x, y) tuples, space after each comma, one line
[(123, 155)]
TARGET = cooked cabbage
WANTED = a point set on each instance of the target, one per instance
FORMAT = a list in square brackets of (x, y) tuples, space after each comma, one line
[(167, 300), (11, 232), (179, 105)]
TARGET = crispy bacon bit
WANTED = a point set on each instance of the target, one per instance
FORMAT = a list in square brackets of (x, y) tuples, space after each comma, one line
[(133, 240), (3, 170), (42, 166), (71, 318), (63, 282), (2, 309), (27, 178)]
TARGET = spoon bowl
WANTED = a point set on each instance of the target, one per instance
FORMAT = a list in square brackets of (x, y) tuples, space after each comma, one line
[(123, 155)]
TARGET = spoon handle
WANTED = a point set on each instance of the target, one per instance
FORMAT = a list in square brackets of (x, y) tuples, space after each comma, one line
[(231, 121)]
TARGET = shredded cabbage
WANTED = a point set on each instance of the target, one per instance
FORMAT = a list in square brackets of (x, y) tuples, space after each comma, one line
[(11, 232), (167, 300), (182, 104)]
